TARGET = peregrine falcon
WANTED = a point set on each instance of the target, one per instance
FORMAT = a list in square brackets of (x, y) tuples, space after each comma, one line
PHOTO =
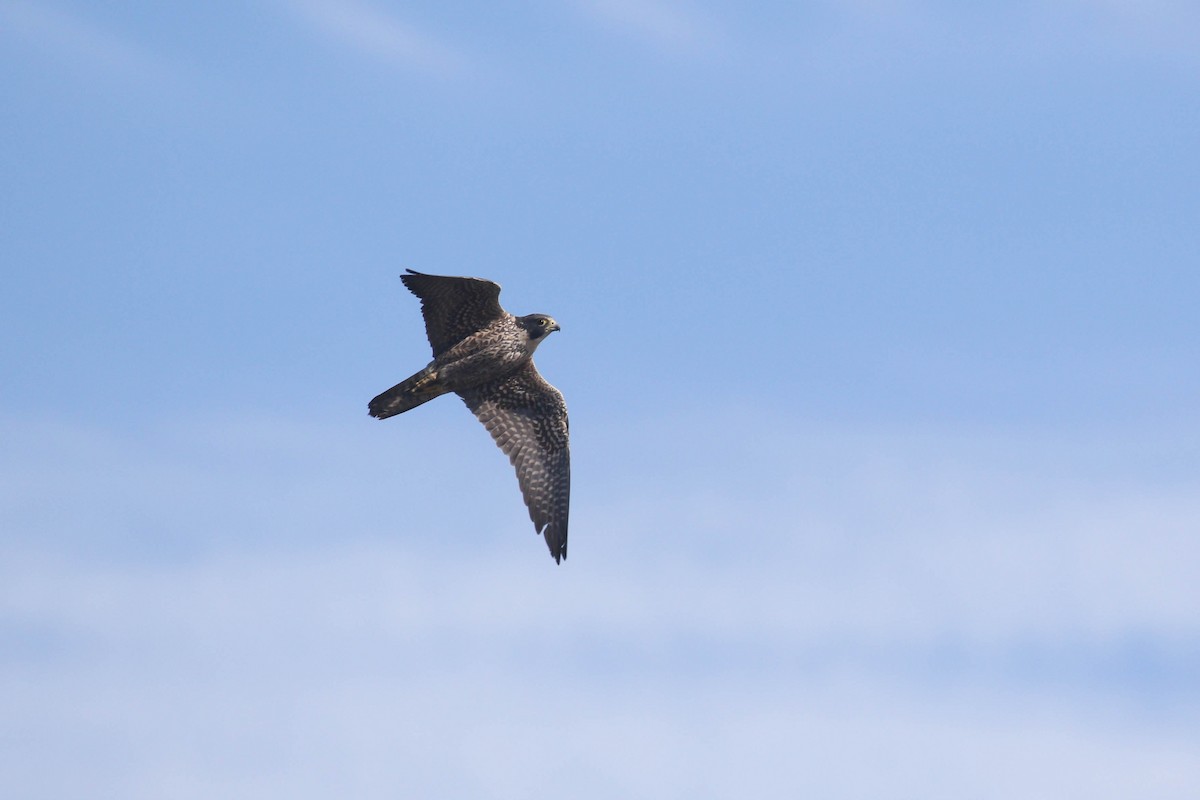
[(485, 356)]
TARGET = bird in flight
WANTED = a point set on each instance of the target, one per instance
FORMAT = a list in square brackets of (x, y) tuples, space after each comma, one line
[(485, 356)]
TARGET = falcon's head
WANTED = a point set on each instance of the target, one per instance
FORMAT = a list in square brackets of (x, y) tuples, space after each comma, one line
[(538, 326)]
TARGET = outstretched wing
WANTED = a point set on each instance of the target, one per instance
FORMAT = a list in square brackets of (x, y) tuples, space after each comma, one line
[(528, 419), (453, 308)]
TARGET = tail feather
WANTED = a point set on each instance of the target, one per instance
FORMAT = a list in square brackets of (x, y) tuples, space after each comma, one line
[(409, 393)]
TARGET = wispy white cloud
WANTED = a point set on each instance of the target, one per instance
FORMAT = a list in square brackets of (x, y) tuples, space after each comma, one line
[(665, 24), (376, 668), (732, 604), (1155, 26), (1166, 27), (884, 539), (871, 39), (79, 41), (381, 35)]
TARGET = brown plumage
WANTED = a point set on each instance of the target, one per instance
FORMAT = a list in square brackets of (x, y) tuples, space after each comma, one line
[(485, 356)]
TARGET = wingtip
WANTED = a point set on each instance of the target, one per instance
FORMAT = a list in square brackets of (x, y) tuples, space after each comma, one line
[(558, 550), (407, 280)]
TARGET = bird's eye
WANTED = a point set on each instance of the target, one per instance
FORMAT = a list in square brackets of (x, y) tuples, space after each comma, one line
[(542, 322)]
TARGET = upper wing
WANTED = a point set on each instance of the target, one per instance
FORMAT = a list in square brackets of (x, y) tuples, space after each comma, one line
[(453, 308), (528, 419)]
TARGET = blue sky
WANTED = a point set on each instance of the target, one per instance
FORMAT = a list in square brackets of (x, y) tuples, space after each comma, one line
[(879, 343)]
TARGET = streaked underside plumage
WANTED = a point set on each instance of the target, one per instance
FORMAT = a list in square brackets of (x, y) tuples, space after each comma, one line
[(485, 355)]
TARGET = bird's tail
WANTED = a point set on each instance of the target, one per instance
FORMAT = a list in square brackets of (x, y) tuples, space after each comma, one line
[(409, 393)]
